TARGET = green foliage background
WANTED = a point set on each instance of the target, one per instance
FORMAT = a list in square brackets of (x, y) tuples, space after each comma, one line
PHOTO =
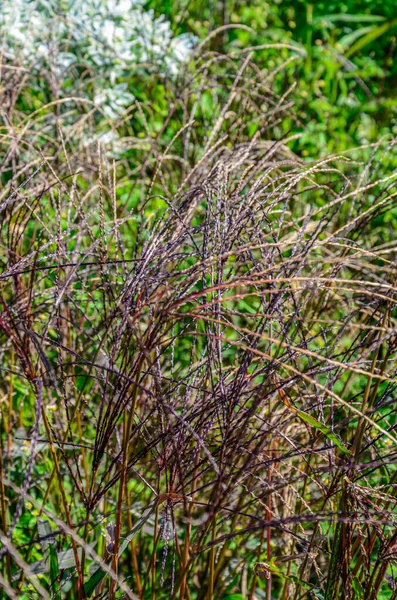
[(346, 86)]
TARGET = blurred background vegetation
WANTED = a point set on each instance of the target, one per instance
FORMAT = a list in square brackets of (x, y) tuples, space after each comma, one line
[(345, 85)]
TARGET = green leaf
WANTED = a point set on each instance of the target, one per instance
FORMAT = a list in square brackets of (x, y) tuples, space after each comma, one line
[(323, 429), (357, 588), (349, 18), (371, 36), (93, 582), (138, 526), (99, 574), (348, 39), (54, 573)]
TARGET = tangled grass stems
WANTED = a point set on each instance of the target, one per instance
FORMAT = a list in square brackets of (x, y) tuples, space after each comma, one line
[(213, 323)]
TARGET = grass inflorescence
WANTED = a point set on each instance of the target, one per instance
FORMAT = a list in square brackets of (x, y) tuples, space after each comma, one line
[(198, 351)]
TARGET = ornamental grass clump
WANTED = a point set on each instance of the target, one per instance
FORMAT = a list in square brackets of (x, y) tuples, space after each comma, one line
[(198, 348)]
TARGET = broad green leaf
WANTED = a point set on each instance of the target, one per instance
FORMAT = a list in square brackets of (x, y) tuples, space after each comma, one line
[(323, 429)]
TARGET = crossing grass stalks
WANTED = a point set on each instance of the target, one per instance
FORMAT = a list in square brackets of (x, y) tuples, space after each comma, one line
[(198, 353)]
